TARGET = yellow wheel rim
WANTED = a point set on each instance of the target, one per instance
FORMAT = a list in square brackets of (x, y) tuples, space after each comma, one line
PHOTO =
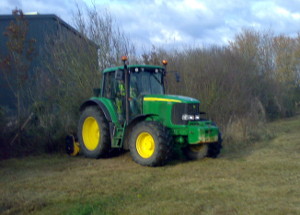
[(145, 145), (91, 133), (76, 149)]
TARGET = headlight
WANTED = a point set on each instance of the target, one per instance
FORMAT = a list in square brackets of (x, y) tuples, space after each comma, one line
[(191, 117), (186, 117)]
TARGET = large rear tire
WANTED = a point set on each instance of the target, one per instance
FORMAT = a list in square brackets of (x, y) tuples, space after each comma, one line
[(150, 144), (93, 133)]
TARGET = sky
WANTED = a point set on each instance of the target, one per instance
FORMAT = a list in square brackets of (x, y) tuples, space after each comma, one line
[(179, 23)]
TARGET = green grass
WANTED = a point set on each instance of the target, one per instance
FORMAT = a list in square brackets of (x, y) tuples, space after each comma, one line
[(260, 178)]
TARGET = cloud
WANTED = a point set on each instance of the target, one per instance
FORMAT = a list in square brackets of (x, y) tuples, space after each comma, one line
[(180, 22), (6, 7), (214, 21), (62, 8), (282, 18), (168, 22)]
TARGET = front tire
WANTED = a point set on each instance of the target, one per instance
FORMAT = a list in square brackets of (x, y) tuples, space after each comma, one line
[(150, 144), (93, 133), (214, 149), (196, 152)]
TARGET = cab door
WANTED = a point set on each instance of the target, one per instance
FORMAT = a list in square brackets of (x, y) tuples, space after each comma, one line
[(114, 90)]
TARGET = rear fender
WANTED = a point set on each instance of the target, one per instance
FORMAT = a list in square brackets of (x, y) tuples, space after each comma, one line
[(99, 104), (107, 109)]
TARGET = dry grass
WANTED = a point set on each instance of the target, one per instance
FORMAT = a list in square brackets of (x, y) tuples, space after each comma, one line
[(263, 178)]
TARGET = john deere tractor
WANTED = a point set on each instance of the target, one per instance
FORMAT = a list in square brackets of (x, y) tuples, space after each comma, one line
[(132, 112)]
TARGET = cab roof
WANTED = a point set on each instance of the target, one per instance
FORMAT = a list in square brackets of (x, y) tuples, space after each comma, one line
[(112, 69)]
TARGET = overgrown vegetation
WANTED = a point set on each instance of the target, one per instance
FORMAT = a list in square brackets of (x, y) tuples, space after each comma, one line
[(75, 69), (15, 71), (241, 86)]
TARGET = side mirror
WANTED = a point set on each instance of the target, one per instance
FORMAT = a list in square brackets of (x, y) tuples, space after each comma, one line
[(177, 76), (119, 75), (96, 92)]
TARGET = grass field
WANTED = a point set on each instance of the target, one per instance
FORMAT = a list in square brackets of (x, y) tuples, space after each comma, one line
[(258, 178)]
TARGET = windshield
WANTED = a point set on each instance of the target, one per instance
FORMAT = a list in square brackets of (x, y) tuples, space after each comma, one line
[(147, 82)]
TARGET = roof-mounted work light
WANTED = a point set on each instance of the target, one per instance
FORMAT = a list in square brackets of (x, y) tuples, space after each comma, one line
[(124, 58)]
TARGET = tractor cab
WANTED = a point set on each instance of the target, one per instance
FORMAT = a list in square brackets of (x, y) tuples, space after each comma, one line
[(127, 86), (143, 81)]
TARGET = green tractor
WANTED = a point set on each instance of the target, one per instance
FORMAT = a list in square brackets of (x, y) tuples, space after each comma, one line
[(132, 112)]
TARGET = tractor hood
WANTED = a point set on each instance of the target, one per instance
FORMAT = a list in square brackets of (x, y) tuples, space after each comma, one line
[(171, 109), (170, 98)]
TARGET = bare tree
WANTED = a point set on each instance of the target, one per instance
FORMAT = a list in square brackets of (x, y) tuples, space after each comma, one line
[(16, 65), (99, 26), (74, 65)]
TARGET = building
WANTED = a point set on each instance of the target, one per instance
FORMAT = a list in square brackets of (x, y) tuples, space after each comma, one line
[(44, 29)]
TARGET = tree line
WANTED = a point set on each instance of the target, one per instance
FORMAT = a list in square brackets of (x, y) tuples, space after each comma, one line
[(253, 79)]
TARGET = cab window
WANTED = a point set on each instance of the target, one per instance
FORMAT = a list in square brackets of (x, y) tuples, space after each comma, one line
[(108, 88)]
